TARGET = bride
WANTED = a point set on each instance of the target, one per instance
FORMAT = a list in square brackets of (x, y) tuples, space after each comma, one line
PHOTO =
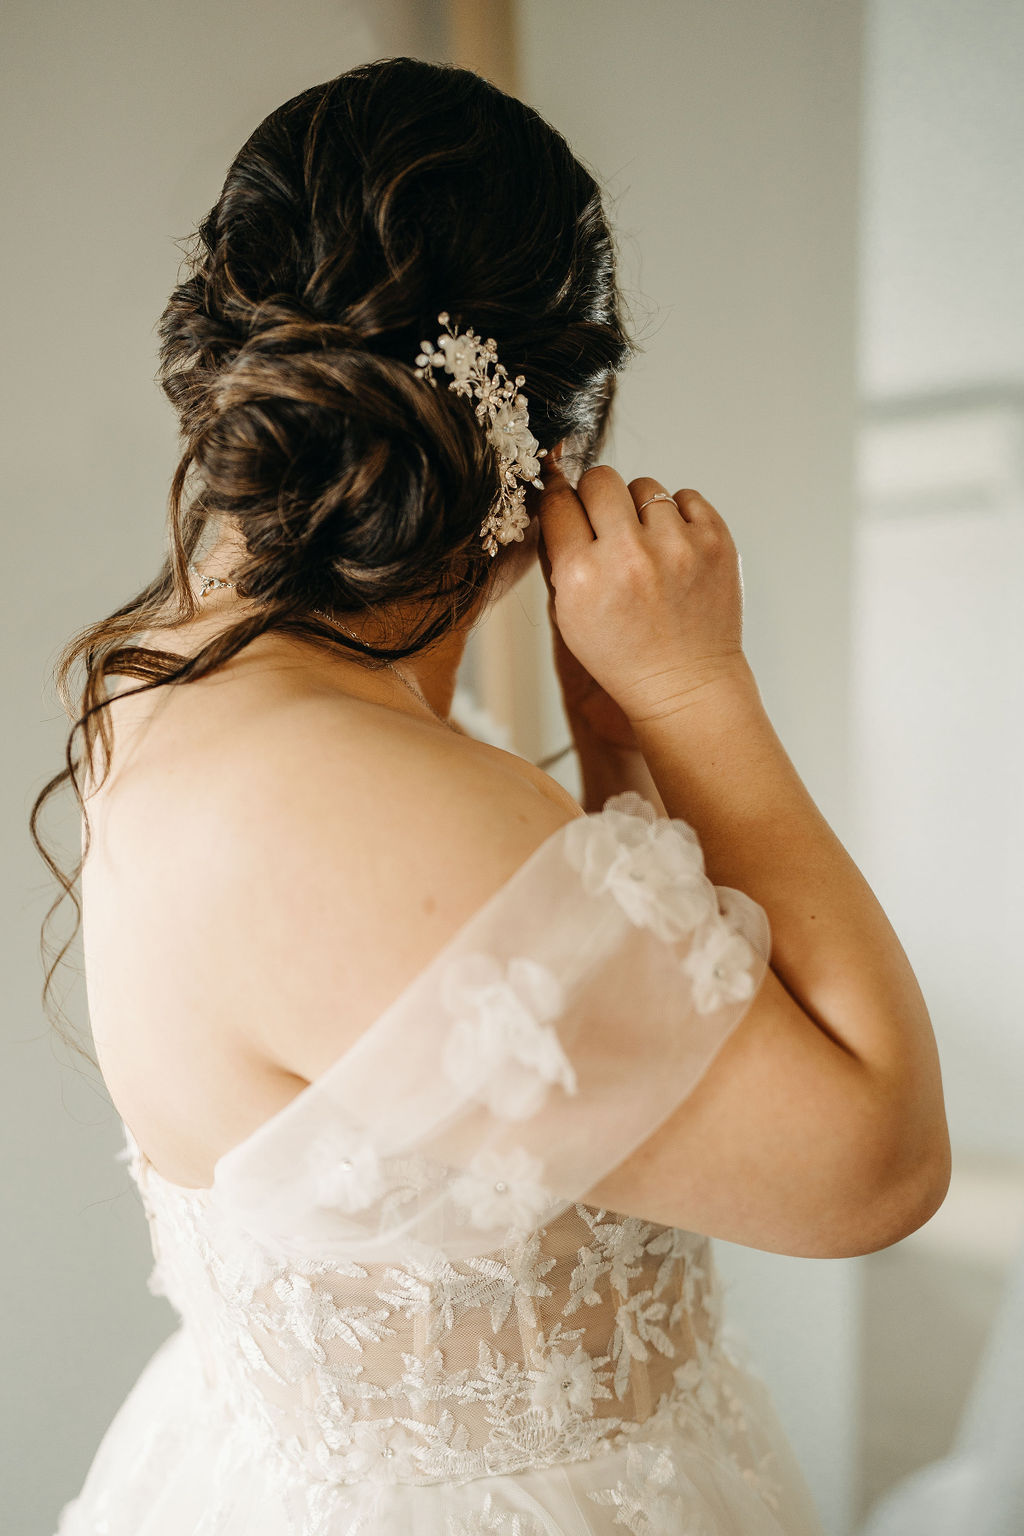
[(436, 1082)]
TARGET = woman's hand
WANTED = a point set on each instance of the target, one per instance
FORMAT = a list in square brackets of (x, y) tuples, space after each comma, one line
[(648, 605), (591, 712)]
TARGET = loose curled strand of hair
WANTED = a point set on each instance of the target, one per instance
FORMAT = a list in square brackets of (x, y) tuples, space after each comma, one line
[(352, 215)]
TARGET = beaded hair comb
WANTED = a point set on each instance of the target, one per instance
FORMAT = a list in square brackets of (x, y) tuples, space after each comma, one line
[(477, 372)]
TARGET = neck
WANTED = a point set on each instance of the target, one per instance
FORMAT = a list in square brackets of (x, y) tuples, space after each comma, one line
[(434, 671)]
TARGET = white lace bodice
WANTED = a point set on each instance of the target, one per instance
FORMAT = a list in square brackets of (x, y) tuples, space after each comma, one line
[(429, 1370), (398, 1279)]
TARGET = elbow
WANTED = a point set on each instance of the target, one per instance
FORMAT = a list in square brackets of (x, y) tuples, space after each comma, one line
[(901, 1194), (903, 1160), (917, 1196)]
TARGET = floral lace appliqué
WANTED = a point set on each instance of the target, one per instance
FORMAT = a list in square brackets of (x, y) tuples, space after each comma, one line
[(489, 1520), (336, 1383), (647, 1500)]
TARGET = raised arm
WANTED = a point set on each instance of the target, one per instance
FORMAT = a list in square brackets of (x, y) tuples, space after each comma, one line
[(820, 1126)]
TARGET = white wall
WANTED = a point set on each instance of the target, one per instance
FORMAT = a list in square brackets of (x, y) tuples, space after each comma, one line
[(938, 698), (943, 228), (730, 136), (939, 711), (939, 618)]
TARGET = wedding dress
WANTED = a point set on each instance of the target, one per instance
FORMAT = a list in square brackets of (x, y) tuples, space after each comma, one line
[(400, 1313)]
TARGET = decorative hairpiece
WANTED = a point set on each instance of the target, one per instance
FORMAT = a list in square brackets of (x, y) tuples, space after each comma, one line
[(477, 371)]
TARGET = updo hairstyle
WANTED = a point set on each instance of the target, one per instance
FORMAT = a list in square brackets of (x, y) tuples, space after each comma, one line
[(351, 217)]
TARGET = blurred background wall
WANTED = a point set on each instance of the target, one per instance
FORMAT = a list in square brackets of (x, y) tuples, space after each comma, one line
[(822, 251), (938, 698)]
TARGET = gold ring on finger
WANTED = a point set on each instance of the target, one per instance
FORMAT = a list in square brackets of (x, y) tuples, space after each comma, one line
[(661, 496)]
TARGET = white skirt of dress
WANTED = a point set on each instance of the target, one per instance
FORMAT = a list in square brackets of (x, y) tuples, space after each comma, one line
[(168, 1466)]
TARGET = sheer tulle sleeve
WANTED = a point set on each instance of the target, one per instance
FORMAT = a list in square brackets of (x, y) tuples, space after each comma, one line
[(553, 1034)]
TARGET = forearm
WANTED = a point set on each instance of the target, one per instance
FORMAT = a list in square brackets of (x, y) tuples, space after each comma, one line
[(720, 766), (606, 769)]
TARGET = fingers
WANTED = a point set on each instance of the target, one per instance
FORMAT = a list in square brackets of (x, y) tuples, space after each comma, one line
[(603, 504), (605, 495), (696, 508), (655, 508), (564, 525)]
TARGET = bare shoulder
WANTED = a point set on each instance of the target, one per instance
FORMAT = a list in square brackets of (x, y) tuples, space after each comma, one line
[(380, 837), (314, 853), (397, 795)]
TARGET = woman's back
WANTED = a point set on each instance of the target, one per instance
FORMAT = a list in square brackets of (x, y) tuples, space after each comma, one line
[(233, 950)]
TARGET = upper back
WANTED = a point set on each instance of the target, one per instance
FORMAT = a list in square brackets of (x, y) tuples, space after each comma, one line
[(274, 856)]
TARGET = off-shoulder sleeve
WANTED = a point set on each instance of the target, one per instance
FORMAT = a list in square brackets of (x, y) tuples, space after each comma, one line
[(553, 1034)]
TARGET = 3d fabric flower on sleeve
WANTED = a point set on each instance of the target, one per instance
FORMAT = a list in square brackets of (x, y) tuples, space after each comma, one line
[(345, 1168), (503, 1191), (722, 967), (653, 866), (500, 1048)]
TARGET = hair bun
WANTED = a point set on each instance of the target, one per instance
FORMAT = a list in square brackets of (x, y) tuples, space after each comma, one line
[(339, 463), (282, 325), (354, 214)]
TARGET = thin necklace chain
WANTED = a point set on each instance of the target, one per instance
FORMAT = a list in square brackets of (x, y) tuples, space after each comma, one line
[(207, 583)]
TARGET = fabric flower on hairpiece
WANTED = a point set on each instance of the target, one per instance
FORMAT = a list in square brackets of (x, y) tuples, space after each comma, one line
[(512, 439), (460, 355)]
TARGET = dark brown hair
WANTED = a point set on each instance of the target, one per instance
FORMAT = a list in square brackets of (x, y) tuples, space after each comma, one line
[(351, 217)]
